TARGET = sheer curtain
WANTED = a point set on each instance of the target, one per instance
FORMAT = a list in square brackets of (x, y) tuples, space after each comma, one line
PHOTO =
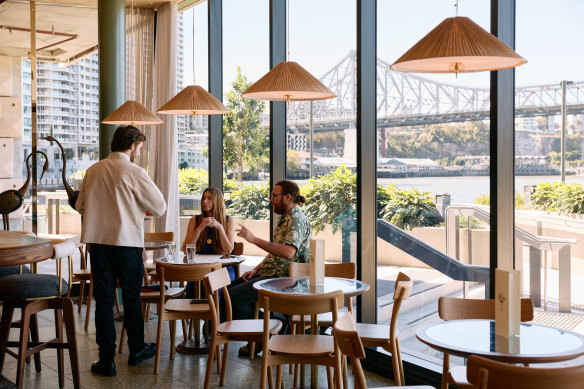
[(151, 64)]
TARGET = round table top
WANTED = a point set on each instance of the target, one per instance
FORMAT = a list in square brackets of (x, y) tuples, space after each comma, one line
[(301, 285), (155, 245), (20, 249), (535, 344), (180, 259)]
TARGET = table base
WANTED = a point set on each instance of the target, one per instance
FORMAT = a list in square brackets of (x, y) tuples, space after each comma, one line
[(190, 346)]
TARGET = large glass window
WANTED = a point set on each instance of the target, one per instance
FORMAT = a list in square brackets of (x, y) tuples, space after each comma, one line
[(549, 201), (246, 139), (433, 152), (322, 39)]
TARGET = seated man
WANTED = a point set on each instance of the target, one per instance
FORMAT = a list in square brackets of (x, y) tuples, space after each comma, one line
[(291, 243)]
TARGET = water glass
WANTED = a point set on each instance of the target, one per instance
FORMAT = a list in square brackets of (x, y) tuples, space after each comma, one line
[(171, 249), (191, 248)]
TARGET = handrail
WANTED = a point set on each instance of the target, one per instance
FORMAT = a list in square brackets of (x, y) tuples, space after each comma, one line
[(430, 255), (539, 242)]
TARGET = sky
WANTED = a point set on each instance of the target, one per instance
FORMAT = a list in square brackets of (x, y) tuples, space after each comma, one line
[(323, 32)]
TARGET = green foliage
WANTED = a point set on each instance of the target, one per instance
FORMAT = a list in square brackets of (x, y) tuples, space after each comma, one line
[(183, 165), (408, 209), (192, 181), (245, 143), (330, 199), (559, 197), (250, 202), (486, 200)]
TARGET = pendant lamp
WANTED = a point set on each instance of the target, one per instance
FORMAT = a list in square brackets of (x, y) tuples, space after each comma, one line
[(194, 100), (288, 81), (458, 45), (132, 112)]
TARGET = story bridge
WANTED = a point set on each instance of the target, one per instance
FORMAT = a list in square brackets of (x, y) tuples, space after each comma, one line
[(407, 99)]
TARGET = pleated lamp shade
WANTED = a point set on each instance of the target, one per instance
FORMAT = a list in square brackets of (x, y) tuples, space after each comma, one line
[(458, 45), (288, 81), (194, 100), (132, 113)]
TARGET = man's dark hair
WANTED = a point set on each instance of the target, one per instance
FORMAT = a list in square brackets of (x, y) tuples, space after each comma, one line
[(291, 188), (125, 136)]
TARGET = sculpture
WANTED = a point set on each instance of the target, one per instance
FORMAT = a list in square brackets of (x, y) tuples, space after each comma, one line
[(71, 194), (11, 200)]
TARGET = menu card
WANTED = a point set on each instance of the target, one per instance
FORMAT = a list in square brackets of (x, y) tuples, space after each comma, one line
[(316, 261), (507, 302)]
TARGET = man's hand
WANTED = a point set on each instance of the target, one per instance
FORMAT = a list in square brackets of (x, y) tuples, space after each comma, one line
[(246, 234), (248, 275)]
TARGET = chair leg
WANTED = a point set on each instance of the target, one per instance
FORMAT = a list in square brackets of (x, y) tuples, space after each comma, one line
[(68, 308), (210, 359), (395, 362), (5, 322), (122, 339), (34, 336), (218, 356), (270, 378), (23, 345), (279, 377), (345, 372), (81, 295), (264, 372), (60, 355), (329, 377), (89, 301), (224, 363), (445, 371), (400, 363), (117, 300), (158, 344), (172, 327)]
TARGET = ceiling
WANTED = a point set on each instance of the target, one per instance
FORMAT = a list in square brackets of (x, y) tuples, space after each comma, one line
[(66, 29)]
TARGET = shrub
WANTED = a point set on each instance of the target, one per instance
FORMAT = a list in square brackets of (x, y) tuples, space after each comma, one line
[(558, 197), (408, 209), (486, 200), (250, 202), (192, 181)]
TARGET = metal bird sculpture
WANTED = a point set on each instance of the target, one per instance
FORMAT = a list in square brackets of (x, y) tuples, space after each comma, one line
[(71, 194), (11, 199)]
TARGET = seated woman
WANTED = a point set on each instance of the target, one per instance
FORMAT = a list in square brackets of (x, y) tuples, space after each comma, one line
[(212, 231)]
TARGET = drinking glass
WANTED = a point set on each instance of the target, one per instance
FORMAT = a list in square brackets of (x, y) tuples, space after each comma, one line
[(191, 248), (171, 249)]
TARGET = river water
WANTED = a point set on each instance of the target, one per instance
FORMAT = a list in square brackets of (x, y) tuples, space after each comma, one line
[(465, 189)]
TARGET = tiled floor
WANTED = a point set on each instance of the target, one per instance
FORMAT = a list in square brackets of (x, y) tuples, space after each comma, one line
[(185, 371)]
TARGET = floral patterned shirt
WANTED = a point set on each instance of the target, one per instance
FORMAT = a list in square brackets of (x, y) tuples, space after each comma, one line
[(294, 229)]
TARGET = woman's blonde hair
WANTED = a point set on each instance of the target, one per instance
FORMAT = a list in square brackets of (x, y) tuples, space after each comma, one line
[(218, 212)]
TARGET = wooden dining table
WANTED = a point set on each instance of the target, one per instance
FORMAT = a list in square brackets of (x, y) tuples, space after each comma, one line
[(21, 249)]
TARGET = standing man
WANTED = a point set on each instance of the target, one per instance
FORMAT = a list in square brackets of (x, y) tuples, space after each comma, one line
[(291, 242), (114, 197)]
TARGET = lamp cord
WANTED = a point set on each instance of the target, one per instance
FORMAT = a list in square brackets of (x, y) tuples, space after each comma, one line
[(287, 30), (456, 6), (194, 46)]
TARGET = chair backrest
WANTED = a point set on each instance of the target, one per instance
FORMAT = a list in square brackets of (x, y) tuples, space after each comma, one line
[(195, 272), (341, 270), (301, 304), (350, 344), (488, 374), (158, 236), (214, 281), (237, 248), (403, 288), (450, 308)]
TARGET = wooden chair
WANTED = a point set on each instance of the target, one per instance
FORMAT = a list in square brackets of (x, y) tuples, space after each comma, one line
[(450, 308), (325, 320), (386, 337), (291, 349), (350, 345), (180, 309), (224, 332), (33, 293), (484, 373)]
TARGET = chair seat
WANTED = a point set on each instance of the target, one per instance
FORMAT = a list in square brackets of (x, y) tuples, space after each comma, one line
[(309, 345), (373, 333), (184, 305), (82, 273), (154, 297), (31, 286), (247, 327), (458, 374), (12, 270), (324, 319)]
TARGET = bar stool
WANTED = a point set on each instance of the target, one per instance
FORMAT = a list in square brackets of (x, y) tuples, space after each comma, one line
[(33, 293)]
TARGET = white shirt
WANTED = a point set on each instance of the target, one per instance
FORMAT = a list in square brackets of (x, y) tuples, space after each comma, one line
[(114, 196)]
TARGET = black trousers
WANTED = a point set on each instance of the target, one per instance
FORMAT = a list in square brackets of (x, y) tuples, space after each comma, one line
[(243, 297), (108, 264)]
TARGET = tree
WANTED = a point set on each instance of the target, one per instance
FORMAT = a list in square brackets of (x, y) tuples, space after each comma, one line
[(245, 143), (183, 165)]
